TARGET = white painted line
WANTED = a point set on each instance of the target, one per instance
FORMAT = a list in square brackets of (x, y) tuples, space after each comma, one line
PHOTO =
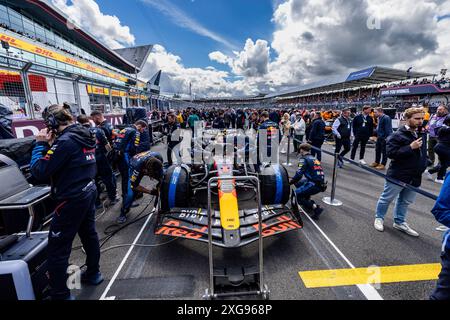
[(124, 260), (367, 290)]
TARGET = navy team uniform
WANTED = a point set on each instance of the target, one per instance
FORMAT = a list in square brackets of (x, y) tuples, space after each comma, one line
[(136, 165), (126, 143), (309, 180), (70, 165)]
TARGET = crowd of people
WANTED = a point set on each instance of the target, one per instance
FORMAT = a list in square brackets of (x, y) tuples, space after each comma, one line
[(68, 143)]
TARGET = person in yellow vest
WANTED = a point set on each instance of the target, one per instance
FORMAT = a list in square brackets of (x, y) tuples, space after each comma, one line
[(180, 118)]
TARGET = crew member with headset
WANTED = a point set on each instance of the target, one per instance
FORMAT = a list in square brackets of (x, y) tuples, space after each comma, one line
[(65, 155), (144, 164), (313, 182), (125, 145)]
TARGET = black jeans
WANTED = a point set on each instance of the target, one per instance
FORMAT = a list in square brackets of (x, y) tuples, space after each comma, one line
[(359, 140), (443, 152), (316, 153), (380, 152), (71, 217), (442, 291), (345, 142)]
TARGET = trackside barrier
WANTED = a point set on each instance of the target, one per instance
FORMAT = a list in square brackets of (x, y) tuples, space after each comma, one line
[(375, 172), (331, 201), (288, 161)]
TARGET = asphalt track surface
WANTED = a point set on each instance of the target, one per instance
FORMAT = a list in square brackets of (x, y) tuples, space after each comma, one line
[(171, 268)]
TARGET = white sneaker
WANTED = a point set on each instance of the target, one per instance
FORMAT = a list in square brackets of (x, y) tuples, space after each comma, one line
[(363, 162), (429, 175), (379, 224), (406, 229), (442, 229), (439, 181)]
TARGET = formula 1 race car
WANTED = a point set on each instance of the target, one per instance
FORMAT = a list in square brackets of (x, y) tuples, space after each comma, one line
[(237, 195)]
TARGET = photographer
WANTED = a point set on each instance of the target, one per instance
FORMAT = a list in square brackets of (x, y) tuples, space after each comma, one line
[(65, 155)]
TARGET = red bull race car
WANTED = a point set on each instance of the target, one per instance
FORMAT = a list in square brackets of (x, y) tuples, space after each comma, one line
[(234, 203)]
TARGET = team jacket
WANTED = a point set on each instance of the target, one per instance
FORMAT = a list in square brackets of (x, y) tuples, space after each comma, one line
[(441, 210), (310, 168), (101, 141), (69, 164), (137, 163), (127, 141)]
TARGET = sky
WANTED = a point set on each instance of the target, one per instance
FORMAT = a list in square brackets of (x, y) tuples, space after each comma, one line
[(246, 47)]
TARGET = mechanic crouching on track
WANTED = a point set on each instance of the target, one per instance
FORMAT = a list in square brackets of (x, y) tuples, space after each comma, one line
[(441, 211), (125, 145), (144, 164), (313, 182), (65, 155)]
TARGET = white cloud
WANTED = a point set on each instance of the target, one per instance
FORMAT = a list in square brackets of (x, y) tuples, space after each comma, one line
[(107, 28), (219, 57), (205, 82), (312, 41)]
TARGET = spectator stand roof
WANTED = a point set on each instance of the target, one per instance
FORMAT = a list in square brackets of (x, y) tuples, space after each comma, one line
[(359, 79), (44, 10)]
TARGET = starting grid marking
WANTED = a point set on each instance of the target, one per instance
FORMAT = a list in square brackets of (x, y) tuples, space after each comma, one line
[(370, 275)]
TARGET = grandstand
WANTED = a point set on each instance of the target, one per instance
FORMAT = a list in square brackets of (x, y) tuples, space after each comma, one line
[(374, 86)]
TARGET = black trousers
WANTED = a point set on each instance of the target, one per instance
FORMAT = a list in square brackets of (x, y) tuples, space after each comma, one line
[(442, 291), (380, 152), (359, 140), (443, 152), (432, 142), (345, 142), (124, 169), (316, 153), (106, 175), (71, 217)]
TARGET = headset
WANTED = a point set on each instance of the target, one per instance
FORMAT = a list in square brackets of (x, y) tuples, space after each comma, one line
[(51, 121)]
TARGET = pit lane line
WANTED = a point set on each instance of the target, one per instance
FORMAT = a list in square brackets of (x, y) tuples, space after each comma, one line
[(367, 290), (125, 258)]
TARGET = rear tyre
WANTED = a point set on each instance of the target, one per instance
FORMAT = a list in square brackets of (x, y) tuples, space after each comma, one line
[(175, 188), (274, 184)]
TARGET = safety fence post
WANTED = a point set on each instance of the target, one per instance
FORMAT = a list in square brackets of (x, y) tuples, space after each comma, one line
[(288, 161), (331, 201)]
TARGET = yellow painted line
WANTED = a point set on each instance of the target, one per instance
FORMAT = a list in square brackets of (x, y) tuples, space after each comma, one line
[(371, 275)]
